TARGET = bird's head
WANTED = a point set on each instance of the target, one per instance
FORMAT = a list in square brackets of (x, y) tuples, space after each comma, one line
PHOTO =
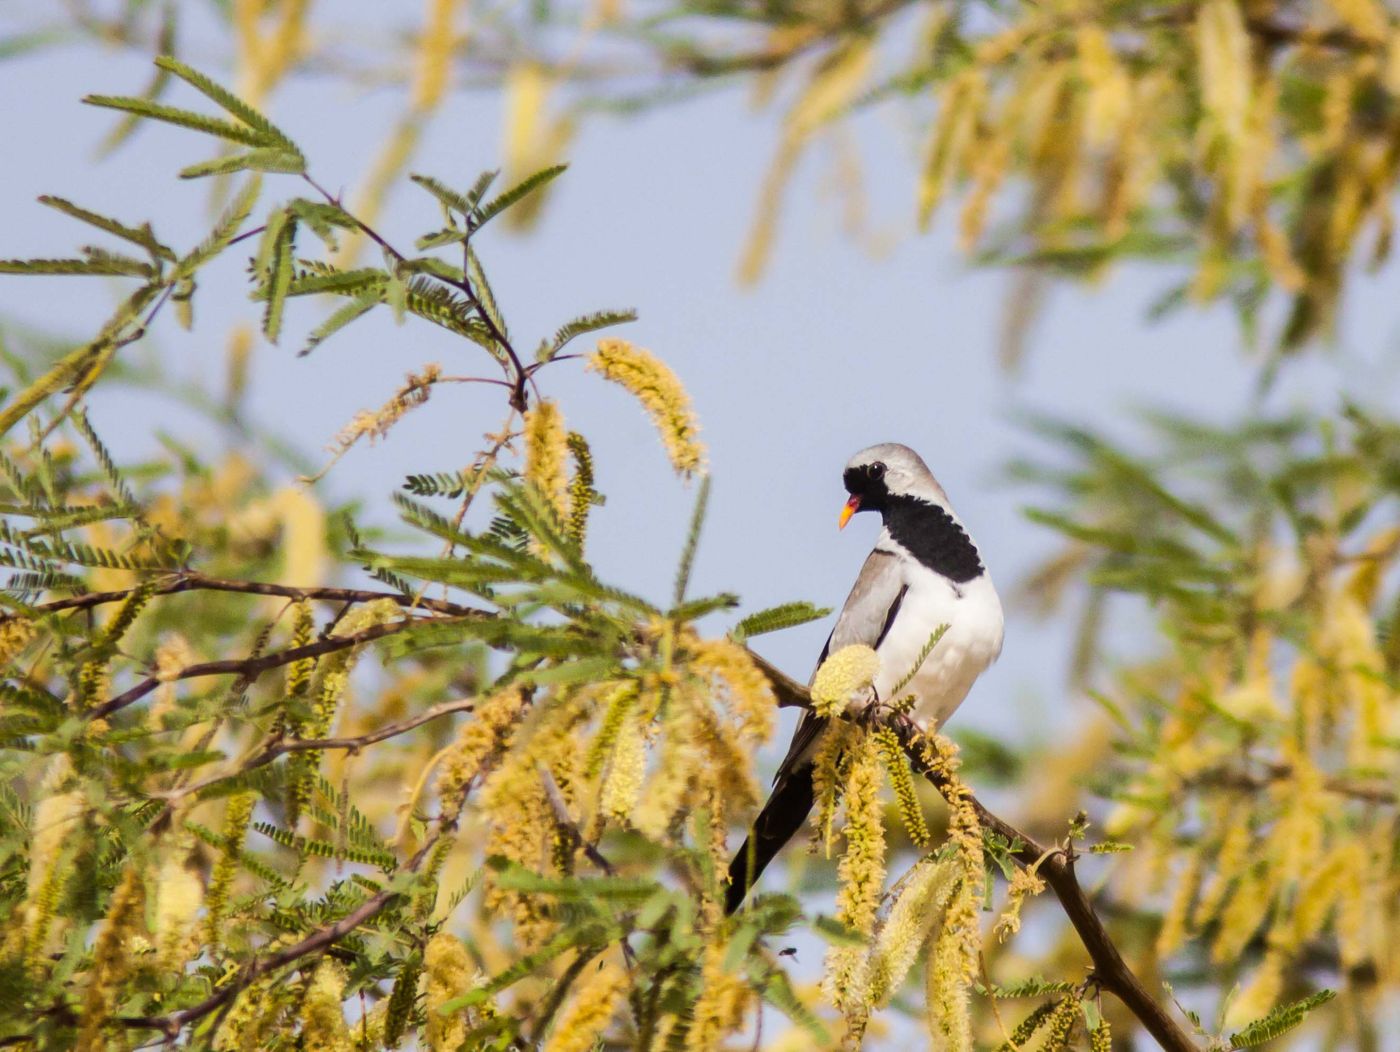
[(875, 475)]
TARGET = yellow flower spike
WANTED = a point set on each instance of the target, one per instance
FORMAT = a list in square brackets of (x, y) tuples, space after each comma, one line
[(1261, 992), (747, 690), (948, 982), (547, 454), (590, 1011), (842, 676), (622, 786), (911, 813), (448, 972), (1173, 931), (661, 394), (1024, 883), (323, 1027), (918, 909), (860, 873), (15, 634), (110, 955), (828, 781), (179, 896), (237, 814), (476, 742), (720, 1008), (57, 818)]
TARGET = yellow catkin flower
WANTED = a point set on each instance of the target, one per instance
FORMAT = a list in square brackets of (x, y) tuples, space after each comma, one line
[(915, 912), (719, 1010), (303, 546), (844, 676), (109, 958), (1173, 931), (829, 765), (434, 56), (1101, 1038), (1230, 858), (1320, 892), (179, 895), (448, 973), (661, 394), (747, 690), (523, 825), (581, 491), (1261, 992), (1242, 915), (589, 1011), (57, 818), (618, 704), (329, 690), (547, 454), (1023, 883), (948, 982), (860, 873), (237, 815), (323, 1027), (622, 785), (954, 964), (248, 1026), (15, 634), (476, 742), (911, 813), (669, 788)]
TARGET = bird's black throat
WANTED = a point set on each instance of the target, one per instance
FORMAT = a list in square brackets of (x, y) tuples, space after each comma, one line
[(924, 529), (929, 534)]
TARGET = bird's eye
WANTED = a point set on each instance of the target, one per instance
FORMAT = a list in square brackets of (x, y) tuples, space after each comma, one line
[(877, 469)]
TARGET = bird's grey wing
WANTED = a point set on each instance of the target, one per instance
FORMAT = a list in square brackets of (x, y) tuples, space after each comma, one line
[(866, 617)]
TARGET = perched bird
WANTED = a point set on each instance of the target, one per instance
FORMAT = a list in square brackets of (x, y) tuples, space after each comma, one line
[(924, 572)]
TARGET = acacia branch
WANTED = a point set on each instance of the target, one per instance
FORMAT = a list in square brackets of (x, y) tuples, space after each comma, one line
[(1056, 868), (251, 668), (192, 581), (281, 746)]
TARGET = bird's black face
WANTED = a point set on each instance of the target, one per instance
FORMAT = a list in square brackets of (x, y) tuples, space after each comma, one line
[(866, 485)]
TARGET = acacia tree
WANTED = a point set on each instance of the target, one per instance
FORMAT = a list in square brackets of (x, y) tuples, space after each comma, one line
[(202, 845)]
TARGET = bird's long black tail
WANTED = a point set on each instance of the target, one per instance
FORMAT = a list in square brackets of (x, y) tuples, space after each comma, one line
[(782, 816)]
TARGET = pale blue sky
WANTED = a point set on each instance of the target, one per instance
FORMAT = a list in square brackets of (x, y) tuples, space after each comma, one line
[(834, 350)]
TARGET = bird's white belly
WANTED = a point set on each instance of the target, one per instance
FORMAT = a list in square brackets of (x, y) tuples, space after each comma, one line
[(973, 615)]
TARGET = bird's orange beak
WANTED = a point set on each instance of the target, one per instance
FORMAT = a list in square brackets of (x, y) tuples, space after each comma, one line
[(850, 508)]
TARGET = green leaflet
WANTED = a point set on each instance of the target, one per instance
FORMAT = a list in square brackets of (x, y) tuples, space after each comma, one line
[(525, 187), (776, 618), (584, 323), (1278, 1022), (142, 235)]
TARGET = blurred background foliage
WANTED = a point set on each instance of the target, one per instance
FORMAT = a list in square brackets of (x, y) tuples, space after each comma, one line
[(166, 831)]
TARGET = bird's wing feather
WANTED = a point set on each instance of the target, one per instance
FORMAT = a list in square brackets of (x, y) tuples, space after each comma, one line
[(865, 618), (869, 611)]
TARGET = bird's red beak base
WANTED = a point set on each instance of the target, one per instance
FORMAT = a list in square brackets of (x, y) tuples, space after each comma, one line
[(850, 508)]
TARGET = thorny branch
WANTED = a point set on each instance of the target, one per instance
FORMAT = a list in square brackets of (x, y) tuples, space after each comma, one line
[(250, 668), (192, 581), (1056, 867), (280, 746)]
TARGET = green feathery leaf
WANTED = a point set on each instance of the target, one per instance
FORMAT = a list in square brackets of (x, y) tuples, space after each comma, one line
[(777, 618), (578, 326), (1278, 1022), (142, 235), (525, 187)]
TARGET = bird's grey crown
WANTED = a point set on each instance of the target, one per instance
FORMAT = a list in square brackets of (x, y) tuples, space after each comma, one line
[(905, 471)]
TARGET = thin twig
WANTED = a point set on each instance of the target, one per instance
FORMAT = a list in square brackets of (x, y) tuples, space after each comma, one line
[(251, 667), (191, 581), (281, 746)]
